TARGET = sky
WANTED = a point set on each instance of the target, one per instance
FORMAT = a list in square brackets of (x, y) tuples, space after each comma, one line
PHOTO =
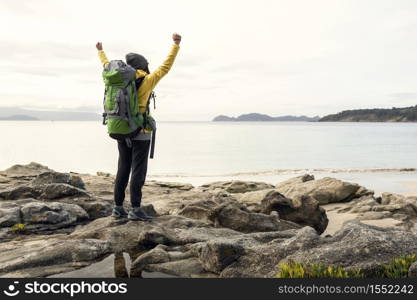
[(278, 57)]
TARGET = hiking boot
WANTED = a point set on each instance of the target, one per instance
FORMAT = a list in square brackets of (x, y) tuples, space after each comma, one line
[(119, 212), (137, 214)]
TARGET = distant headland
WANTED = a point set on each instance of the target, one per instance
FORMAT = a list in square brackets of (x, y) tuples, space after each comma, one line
[(19, 118), (255, 117), (21, 114), (405, 114), (395, 114)]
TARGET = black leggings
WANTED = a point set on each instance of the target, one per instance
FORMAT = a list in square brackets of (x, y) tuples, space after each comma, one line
[(135, 159)]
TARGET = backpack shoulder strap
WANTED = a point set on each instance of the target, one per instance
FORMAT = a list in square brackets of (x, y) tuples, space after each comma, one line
[(138, 82), (148, 103)]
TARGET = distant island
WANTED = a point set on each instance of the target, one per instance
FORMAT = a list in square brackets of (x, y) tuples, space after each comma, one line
[(406, 114), (255, 117), (19, 118), (21, 114)]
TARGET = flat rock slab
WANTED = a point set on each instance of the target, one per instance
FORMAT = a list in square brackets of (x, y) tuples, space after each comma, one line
[(325, 190), (44, 255)]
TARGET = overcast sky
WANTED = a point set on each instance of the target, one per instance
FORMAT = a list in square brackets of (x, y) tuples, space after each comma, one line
[(298, 57)]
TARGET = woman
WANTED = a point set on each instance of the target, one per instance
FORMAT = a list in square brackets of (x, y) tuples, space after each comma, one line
[(135, 158)]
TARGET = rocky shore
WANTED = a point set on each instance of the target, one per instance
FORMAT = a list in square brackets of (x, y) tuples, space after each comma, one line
[(52, 223)]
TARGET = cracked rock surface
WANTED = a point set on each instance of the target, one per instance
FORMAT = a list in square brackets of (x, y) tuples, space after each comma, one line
[(52, 223)]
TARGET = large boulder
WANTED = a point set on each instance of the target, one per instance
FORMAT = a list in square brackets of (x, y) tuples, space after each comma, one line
[(172, 260), (228, 213), (41, 190), (40, 216), (389, 205), (325, 190), (199, 210), (235, 186), (29, 170), (257, 201), (59, 190), (19, 192), (172, 201), (295, 180), (260, 259), (49, 191), (214, 256), (56, 177), (95, 207), (359, 246), (239, 218), (304, 211), (53, 213), (398, 204)]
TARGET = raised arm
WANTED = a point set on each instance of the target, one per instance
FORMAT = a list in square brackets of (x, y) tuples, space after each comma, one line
[(101, 54), (162, 70)]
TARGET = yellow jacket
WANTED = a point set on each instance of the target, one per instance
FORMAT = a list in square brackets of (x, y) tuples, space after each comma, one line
[(150, 80)]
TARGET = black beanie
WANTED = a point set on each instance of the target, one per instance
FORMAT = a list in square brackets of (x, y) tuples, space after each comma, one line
[(137, 61)]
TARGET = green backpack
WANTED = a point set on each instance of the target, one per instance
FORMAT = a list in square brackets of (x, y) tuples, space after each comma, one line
[(121, 108)]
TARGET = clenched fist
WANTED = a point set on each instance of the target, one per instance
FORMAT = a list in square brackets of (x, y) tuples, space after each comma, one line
[(176, 38), (99, 46)]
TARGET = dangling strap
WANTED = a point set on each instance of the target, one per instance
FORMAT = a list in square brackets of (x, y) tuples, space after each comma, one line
[(154, 99), (104, 118), (152, 144)]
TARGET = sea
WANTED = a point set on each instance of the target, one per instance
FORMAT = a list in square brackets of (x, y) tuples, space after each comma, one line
[(380, 156)]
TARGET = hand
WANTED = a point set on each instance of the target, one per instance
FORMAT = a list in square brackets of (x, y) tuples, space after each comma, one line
[(176, 38), (99, 46)]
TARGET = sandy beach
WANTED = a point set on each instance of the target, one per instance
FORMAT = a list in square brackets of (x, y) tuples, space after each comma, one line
[(411, 188)]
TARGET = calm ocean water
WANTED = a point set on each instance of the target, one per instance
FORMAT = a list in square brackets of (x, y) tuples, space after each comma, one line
[(207, 150)]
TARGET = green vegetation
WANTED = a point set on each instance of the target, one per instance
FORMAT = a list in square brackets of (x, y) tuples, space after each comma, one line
[(396, 268), (297, 270), (406, 114), (18, 228)]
